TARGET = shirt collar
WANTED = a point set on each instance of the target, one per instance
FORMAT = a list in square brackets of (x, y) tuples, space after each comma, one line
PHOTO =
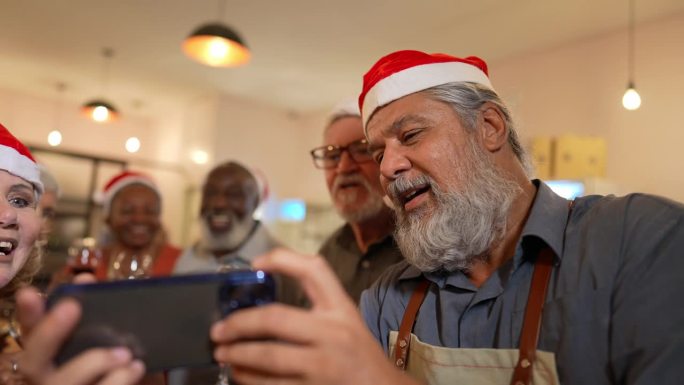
[(548, 218), (547, 221)]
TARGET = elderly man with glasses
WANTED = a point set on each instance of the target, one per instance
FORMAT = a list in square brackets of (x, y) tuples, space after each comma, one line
[(363, 247)]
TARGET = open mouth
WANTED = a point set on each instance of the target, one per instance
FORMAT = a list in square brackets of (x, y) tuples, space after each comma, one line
[(408, 196), (7, 246), (219, 221), (349, 185)]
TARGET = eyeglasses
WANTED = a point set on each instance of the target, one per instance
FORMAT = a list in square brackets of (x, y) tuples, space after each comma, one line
[(327, 157)]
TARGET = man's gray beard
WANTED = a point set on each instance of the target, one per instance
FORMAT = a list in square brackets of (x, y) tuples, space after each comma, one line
[(463, 225), (368, 209), (227, 241)]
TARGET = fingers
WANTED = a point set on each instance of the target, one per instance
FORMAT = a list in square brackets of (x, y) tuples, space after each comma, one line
[(271, 321), (116, 364), (271, 358), (30, 308), (317, 278), (126, 375), (47, 337), (84, 278)]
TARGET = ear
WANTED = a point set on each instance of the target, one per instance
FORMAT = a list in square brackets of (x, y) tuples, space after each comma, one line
[(494, 131)]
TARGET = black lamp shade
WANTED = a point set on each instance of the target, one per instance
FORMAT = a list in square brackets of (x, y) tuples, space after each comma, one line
[(100, 111), (216, 45)]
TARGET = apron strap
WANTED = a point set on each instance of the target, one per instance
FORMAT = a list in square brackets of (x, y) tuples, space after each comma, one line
[(403, 342), (529, 336), (522, 374)]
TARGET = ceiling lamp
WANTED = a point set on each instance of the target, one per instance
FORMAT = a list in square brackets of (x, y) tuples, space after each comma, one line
[(217, 45), (54, 138), (631, 99), (99, 109)]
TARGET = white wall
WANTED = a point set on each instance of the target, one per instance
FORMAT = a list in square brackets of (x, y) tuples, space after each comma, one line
[(31, 118), (578, 87), (574, 88)]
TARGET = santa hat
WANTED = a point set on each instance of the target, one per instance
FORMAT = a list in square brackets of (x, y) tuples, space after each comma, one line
[(346, 107), (16, 159), (124, 179), (405, 72)]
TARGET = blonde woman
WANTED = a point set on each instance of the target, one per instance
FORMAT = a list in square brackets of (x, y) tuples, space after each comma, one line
[(20, 190)]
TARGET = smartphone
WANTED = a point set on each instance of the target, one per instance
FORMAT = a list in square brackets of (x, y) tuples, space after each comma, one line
[(165, 321)]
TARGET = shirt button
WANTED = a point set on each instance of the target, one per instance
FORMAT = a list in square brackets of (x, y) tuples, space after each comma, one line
[(399, 362), (365, 264)]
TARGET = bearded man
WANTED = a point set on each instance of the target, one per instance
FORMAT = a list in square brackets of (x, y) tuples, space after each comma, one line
[(362, 249), (504, 281), (230, 235)]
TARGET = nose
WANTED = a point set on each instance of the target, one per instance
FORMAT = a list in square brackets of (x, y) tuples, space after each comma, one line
[(393, 163), (347, 164), (8, 216), (140, 216)]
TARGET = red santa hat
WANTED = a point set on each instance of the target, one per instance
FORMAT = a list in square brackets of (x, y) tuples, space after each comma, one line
[(405, 72), (16, 159), (124, 179)]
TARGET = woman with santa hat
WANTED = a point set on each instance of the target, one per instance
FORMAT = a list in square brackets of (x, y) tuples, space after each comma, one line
[(137, 245), (20, 190)]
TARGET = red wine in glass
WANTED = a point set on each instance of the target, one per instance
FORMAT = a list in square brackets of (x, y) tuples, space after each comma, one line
[(84, 256)]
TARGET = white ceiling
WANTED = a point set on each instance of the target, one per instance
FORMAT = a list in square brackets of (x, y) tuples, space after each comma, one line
[(306, 53)]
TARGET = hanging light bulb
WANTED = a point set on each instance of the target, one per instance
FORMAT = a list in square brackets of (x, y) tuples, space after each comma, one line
[(54, 138), (217, 45), (100, 110), (631, 100)]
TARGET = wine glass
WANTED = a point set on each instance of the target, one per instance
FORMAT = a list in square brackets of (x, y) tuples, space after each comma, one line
[(84, 256), (127, 265)]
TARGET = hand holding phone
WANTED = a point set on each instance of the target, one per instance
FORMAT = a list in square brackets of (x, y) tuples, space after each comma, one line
[(164, 321)]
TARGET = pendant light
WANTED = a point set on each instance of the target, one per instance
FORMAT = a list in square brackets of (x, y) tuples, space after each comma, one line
[(631, 99), (217, 45), (99, 109), (54, 137)]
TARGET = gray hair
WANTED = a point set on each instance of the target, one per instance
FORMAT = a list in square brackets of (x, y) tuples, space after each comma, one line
[(49, 181), (466, 98)]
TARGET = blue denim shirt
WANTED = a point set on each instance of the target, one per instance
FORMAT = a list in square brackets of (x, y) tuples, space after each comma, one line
[(612, 313)]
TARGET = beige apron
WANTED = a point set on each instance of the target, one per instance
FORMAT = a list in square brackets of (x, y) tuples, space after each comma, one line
[(438, 365)]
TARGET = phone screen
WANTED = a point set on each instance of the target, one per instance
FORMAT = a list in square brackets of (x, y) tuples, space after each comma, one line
[(164, 321)]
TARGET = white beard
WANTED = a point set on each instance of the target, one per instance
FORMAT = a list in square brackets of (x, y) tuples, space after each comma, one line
[(367, 210), (463, 225), (230, 240)]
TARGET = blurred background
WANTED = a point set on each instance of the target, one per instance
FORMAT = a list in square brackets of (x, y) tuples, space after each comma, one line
[(563, 67)]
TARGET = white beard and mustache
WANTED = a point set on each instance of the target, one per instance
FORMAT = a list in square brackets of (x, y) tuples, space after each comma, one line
[(367, 210), (229, 240), (462, 225)]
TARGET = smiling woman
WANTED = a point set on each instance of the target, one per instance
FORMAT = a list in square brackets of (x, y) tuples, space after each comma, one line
[(138, 248), (20, 190)]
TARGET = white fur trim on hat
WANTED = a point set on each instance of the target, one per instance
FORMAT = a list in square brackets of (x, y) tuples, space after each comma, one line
[(110, 193), (17, 164), (416, 79)]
